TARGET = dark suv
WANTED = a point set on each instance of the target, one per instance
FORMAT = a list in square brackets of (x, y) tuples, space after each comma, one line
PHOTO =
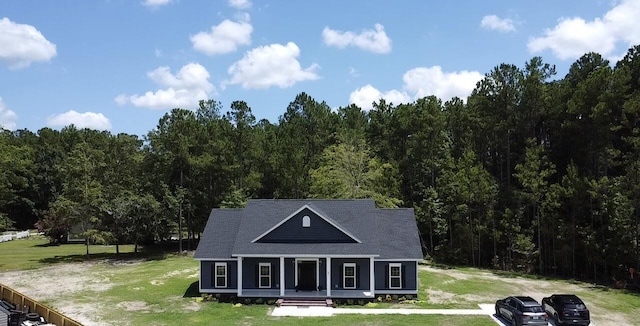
[(566, 309), (521, 311)]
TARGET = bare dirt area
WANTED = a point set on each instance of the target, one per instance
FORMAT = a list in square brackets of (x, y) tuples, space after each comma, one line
[(536, 289), (55, 283), (75, 290)]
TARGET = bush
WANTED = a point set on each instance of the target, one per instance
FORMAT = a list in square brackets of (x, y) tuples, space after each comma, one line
[(259, 301), (271, 302), (387, 298)]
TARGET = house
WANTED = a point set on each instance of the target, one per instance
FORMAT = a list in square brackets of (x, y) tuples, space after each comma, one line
[(311, 248)]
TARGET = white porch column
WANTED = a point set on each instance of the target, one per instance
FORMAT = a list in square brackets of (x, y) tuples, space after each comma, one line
[(239, 276), (372, 277), (282, 284), (328, 267)]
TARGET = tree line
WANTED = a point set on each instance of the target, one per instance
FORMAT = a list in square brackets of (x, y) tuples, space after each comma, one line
[(531, 172)]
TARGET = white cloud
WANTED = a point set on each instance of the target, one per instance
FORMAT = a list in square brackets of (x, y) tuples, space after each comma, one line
[(89, 120), (240, 4), (21, 44), (375, 41), (156, 3), (424, 81), (7, 117), (418, 83), (493, 22), (365, 96), (573, 37), (224, 38), (184, 89), (270, 65)]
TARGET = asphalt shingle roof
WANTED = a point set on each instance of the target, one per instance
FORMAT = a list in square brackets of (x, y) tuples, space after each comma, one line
[(384, 233)]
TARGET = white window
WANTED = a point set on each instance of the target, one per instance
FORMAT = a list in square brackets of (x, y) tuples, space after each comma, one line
[(306, 221), (265, 275), (220, 275), (349, 275), (395, 276)]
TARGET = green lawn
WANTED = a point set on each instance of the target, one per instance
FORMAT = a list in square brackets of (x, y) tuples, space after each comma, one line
[(36, 252), (152, 288)]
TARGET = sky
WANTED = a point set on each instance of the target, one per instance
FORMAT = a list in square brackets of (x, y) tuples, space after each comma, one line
[(120, 65)]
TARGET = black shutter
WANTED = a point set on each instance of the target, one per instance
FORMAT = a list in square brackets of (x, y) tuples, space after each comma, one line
[(386, 276), (340, 277), (357, 271), (403, 277), (257, 278)]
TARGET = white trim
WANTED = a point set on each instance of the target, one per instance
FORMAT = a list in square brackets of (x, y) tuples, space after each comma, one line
[(316, 260), (282, 279), (216, 259), (260, 276), (327, 267), (216, 275), (303, 255), (306, 221), (344, 275), (399, 277), (400, 259), (315, 212), (372, 275), (239, 276)]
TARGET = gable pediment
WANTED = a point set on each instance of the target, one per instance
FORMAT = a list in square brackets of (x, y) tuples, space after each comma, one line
[(306, 225)]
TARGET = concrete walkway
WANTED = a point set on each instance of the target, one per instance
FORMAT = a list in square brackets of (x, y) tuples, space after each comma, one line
[(485, 310)]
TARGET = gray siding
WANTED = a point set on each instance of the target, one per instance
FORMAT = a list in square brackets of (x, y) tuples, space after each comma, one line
[(207, 267), (320, 231), (250, 272), (409, 277), (362, 272)]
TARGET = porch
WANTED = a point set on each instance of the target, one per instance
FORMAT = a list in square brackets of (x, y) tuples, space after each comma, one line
[(275, 293)]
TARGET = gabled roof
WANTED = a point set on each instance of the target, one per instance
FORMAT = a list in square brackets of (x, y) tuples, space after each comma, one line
[(381, 233), (317, 212)]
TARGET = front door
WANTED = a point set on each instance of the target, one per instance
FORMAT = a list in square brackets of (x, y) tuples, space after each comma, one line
[(307, 275)]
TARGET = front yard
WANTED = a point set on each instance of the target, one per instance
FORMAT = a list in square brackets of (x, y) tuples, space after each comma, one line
[(153, 289)]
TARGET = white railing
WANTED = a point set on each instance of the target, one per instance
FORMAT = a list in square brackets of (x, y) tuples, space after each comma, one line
[(17, 235), (23, 234)]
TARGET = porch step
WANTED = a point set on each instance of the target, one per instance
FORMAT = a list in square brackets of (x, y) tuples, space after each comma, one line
[(302, 302)]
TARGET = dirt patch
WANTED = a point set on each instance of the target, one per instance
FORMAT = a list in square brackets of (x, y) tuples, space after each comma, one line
[(61, 287), (59, 280), (536, 289), (133, 306)]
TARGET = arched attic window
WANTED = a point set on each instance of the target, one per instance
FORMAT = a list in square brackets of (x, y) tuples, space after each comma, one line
[(306, 221)]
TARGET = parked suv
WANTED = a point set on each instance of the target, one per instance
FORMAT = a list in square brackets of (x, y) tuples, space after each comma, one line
[(566, 309), (521, 311)]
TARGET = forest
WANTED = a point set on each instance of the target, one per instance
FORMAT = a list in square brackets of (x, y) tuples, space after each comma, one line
[(531, 173)]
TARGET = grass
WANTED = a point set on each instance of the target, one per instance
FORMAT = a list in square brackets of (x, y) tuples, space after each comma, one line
[(155, 287)]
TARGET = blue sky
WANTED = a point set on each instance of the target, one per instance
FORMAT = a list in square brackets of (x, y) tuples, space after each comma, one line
[(119, 65)]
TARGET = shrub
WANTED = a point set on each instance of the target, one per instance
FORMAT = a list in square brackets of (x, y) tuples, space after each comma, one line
[(372, 304), (380, 299), (237, 305), (402, 298), (394, 297), (361, 302), (409, 297), (271, 302), (259, 301), (349, 302), (387, 298)]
